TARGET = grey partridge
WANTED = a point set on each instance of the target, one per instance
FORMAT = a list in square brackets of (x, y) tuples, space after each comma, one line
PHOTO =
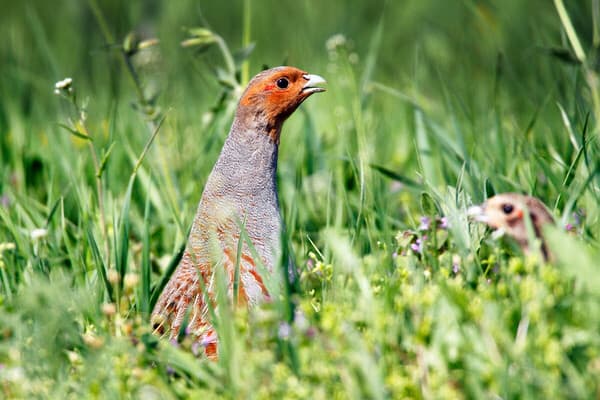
[(506, 211), (240, 193)]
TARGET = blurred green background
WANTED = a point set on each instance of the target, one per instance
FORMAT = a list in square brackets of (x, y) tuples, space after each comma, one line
[(431, 106), (498, 69), (432, 44)]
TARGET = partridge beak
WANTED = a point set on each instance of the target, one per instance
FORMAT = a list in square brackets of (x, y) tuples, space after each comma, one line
[(477, 213), (311, 85)]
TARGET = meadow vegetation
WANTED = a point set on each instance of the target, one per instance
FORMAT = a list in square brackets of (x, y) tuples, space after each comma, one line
[(431, 106)]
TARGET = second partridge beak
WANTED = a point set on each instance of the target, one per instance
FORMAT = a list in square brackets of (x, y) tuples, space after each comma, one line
[(477, 213)]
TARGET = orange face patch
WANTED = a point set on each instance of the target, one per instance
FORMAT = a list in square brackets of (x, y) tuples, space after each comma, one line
[(273, 95), (280, 87)]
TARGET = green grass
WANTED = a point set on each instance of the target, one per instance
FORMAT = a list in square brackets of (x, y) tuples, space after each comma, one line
[(431, 107)]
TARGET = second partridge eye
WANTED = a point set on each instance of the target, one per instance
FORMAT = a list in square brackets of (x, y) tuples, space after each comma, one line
[(507, 208), (282, 83)]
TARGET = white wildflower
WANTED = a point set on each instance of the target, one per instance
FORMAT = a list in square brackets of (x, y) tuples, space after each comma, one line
[(14, 374), (39, 233), (207, 118), (335, 41), (64, 84)]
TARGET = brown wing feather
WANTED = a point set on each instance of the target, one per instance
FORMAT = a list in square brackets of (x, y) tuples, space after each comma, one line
[(183, 294)]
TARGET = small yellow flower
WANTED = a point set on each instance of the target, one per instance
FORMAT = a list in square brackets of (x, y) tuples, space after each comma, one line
[(131, 280), (92, 340), (7, 246), (113, 276), (74, 357)]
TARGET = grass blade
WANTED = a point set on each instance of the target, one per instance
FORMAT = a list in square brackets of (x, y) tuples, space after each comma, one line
[(146, 267), (100, 266), (157, 290)]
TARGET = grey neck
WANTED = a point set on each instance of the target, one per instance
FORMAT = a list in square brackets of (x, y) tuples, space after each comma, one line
[(250, 158)]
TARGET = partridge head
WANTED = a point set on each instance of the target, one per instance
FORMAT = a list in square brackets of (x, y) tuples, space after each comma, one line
[(240, 193), (507, 212)]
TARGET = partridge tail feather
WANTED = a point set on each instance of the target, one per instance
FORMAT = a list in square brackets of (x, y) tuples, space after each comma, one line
[(182, 296)]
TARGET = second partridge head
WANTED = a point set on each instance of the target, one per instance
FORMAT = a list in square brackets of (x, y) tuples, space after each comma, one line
[(507, 212)]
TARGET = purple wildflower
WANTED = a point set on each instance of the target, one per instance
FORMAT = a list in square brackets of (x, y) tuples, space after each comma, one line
[(417, 246), (456, 264), (425, 222), (310, 264), (444, 223), (395, 254), (4, 201), (170, 370), (195, 348), (578, 216), (284, 331), (569, 227), (209, 339), (174, 342), (300, 320), (396, 186)]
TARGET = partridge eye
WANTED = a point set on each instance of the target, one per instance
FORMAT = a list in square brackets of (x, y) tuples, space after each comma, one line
[(507, 208), (282, 83)]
